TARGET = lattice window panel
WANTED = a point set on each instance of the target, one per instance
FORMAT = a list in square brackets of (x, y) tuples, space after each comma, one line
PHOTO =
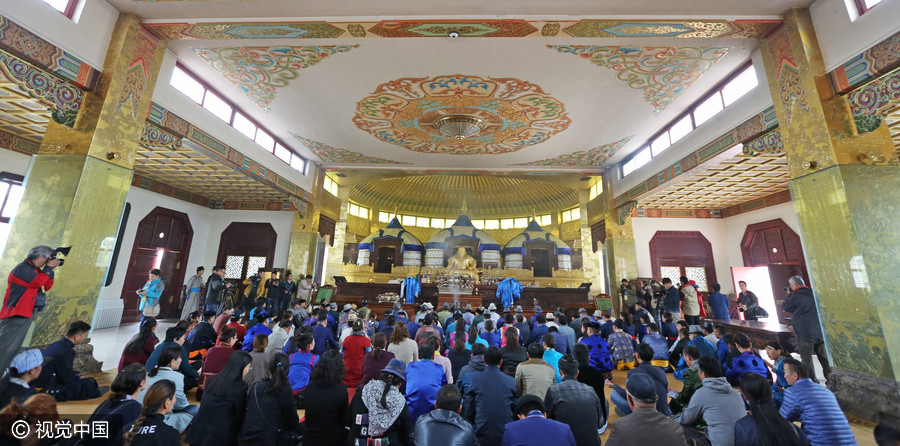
[(234, 266), (254, 263), (672, 272), (698, 275)]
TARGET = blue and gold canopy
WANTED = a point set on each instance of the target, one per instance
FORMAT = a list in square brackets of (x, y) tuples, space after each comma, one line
[(463, 228), (393, 230), (534, 232)]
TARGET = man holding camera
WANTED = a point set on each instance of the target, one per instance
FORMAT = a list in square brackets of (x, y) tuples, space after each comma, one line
[(805, 319), (629, 296), (26, 282)]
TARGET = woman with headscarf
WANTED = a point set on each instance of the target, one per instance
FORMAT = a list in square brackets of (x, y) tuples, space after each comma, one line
[(388, 416)]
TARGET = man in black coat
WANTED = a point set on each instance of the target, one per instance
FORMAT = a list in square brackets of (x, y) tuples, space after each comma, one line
[(58, 377), (444, 425), (805, 318), (490, 400), (215, 289)]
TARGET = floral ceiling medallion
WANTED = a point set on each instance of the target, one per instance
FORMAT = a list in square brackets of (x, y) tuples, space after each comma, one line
[(260, 71), (662, 72), (595, 157), (511, 113)]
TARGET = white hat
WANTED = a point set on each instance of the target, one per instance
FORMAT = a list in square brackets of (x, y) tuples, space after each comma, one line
[(428, 306), (550, 316), (492, 307)]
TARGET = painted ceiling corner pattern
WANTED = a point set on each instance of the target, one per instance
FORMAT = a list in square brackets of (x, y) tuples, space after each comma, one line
[(514, 113), (260, 71), (594, 157), (662, 72), (335, 155)]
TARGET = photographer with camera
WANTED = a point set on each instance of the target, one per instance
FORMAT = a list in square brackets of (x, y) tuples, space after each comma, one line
[(629, 295), (26, 286), (747, 302)]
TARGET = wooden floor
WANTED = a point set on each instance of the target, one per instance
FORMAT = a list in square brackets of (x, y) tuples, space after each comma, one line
[(82, 409)]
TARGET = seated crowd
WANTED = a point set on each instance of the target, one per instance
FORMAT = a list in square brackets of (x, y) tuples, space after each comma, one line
[(454, 377)]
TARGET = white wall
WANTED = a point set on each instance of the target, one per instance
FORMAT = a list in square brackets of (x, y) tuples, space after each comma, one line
[(843, 33), (87, 39), (14, 162), (723, 234)]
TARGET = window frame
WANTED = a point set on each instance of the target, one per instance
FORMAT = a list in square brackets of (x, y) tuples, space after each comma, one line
[(69, 10), (12, 180), (862, 8)]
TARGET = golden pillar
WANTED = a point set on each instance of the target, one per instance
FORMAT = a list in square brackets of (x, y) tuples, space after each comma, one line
[(843, 186), (334, 260), (76, 184), (304, 234), (590, 259), (620, 250)]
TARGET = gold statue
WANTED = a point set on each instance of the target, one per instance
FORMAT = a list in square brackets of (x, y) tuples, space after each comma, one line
[(462, 263)]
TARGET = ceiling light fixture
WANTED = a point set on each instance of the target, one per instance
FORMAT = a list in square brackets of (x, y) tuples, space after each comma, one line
[(459, 126), (454, 34)]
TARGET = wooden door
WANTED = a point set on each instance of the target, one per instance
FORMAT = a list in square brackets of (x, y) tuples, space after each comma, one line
[(540, 263), (385, 262)]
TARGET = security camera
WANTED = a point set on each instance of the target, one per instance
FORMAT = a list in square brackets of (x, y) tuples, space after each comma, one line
[(454, 34)]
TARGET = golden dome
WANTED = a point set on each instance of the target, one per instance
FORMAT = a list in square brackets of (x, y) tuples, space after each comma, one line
[(443, 195)]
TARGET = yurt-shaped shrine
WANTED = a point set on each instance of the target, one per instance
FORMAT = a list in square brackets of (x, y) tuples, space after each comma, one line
[(476, 242), (537, 250), (388, 247)]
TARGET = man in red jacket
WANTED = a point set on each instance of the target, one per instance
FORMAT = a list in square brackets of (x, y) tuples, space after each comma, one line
[(25, 281)]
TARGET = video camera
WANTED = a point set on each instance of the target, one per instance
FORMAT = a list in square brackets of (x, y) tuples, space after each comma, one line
[(63, 251)]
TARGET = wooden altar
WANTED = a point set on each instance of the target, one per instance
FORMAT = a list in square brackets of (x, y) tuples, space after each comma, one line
[(762, 332)]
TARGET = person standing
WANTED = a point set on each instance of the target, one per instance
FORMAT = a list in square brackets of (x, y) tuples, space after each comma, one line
[(805, 318), (26, 281), (195, 289), (304, 288), (689, 303), (215, 289), (718, 303), (273, 293), (629, 296), (748, 302), (150, 294), (251, 291), (672, 299), (288, 288)]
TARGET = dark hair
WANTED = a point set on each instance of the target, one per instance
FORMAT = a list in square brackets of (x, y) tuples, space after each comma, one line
[(582, 354), (426, 351), (230, 380), (379, 342), (77, 327), (774, 344), (173, 333), (478, 349), (540, 319), (692, 351), (552, 330), (488, 325), (429, 319), (667, 280), (160, 392), (260, 342), (512, 337), (459, 338), (389, 379), (568, 366), (710, 366), (448, 398), (520, 318), (796, 367), (227, 334), (667, 317), (127, 382), (682, 322), (493, 356), (645, 352), (528, 407), (390, 320), (156, 272), (278, 370), (886, 435), (606, 314), (302, 341), (684, 280), (772, 429), (683, 332), (509, 319), (323, 315), (535, 350), (652, 327), (728, 339), (473, 333), (329, 370), (629, 320), (146, 332), (549, 341), (285, 323), (742, 340), (434, 342), (166, 356)]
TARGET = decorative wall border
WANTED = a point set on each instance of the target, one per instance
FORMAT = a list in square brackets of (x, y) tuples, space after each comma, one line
[(19, 144), (27, 45), (746, 131), (222, 152), (877, 96), (676, 213), (466, 28), (51, 91), (757, 204), (171, 191), (875, 61)]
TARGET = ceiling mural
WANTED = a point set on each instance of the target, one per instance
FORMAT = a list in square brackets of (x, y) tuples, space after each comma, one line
[(511, 114), (746, 29), (335, 155), (260, 71), (593, 157), (662, 73)]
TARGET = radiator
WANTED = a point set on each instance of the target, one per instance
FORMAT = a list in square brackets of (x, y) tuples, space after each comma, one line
[(109, 313)]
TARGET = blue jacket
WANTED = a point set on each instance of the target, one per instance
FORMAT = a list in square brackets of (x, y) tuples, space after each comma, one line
[(722, 350), (673, 298), (423, 380), (492, 338), (185, 368), (488, 403), (780, 382), (301, 364), (562, 344), (705, 347), (607, 329), (552, 357), (669, 331), (659, 345), (746, 362), (599, 350), (324, 338), (718, 303), (153, 289), (662, 385), (411, 290), (821, 418), (247, 345), (508, 290), (538, 333), (535, 430)]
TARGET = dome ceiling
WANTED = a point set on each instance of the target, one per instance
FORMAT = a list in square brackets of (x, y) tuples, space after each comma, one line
[(443, 195)]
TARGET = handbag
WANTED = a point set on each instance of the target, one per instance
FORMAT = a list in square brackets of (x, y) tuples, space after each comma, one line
[(760, 313), (40, 301), (285, 437)]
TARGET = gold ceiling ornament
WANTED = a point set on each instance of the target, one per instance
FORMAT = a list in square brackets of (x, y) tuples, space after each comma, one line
[(459, 126)]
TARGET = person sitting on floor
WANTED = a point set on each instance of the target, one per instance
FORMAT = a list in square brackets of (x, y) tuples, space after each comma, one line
[(302, 361), (203, 337), (237, 323), (217, 357), (764, 425), (592, 377), (58, 377), (676, 364), (280, 336), (774, 352), (644, 356), (150, 428), (575, 404), (141, 346), (621, 347), (259, 328), (121, 408), (23, 369), (668, 329), (423, 380), (598, 348), (176, 336), (379, 412), (551, 355), (534, 376), (658, 344), (323, 335), (444, 425), (489, 399), (183, 412), (692, 380), (719, 405), (645, 425), (533, 427), (271, 409), (816, 407), (221, 415), (325, 401), (747, 362)]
